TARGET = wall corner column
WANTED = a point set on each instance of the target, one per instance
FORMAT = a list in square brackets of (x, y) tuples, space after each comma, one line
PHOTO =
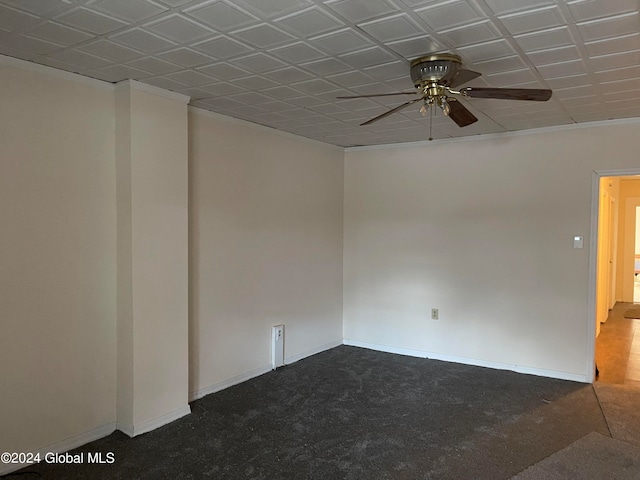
[(152, 211)]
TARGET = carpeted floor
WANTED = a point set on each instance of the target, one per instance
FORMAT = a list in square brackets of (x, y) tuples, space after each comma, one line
[(351, 413)]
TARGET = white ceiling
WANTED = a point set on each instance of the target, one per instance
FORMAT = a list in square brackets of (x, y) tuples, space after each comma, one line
[(281, 63)]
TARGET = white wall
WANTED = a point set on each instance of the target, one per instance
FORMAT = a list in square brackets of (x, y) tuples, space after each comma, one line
[(57, 257), (152, 183), (265, 247), (481, 229)]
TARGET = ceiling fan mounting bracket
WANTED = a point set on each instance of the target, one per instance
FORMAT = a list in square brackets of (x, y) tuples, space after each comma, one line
[(438, 68)]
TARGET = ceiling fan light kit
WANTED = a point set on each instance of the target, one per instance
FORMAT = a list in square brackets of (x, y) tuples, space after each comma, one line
[(436, 76)]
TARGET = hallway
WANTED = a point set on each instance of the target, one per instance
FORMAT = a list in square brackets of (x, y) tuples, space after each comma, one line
[(618, 347)]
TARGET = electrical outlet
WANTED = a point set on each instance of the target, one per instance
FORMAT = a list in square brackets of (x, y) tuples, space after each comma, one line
[(434, 314)]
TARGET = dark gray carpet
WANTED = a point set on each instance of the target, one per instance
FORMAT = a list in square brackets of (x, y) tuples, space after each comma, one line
[(351, 413), (592, 457)]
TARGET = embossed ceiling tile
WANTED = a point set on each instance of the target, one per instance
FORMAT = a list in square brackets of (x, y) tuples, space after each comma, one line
[(475, 33), (573, 104), (487, 51), (389, 71), (223, 88), (358, 11), (629, 85), (613, 45), (515, 77), (154, 66), (221, 15), (174, 3), (21, 54), (415, 47), (388, 29), (450, 14), (568, 81), (178, 28), (186, 57), (118, 73), (589, 10), (193, 93), (255, 82), (508, 6), (554, 55), (251, 98), (297, 53), (90, 21), (191, 78), (573, 92), (282, 92), (376, 88), (223, 71), (40, 7), (56, 33), (314, 86), (350, 79), (222, 47), (532, 20), (50, 62), (277, 106), (618, 74), (80, 59), (326, 66), (262, 36), (28, 44), (367, 58), (288, 75), (15, 20), (612, 61), (609, 27), (499, 65), (141, 40), (327, 108), (271, 8), (110, 51), (259, 63), (310, 22), (129, 10), (343, 41), (543, 39)]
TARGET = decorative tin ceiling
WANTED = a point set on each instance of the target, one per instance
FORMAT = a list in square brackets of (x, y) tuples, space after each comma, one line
[(282, 63)]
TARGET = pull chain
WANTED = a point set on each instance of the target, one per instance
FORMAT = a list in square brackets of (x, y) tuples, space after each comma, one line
[(430, 121)]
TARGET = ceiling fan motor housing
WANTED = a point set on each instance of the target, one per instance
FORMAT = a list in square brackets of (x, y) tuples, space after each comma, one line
[(440, 68)]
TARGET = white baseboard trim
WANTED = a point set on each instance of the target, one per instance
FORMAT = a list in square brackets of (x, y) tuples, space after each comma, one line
[(256, 372), (327, 346), (230, 382), (149, 425), (63, 446), (470, 361)]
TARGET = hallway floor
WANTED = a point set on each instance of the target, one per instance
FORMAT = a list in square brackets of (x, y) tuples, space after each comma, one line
[(618, 348)]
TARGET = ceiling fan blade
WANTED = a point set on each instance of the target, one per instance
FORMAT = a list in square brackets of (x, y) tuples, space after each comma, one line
[(393, 110), (537, 95), (378, 95), (463, 76), (460, 114)]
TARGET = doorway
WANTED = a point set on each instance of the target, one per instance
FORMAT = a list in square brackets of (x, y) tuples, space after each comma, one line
[(616, 289), (636, 262)]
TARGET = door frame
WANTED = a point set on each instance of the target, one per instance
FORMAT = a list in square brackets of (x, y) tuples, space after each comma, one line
[(593, 259)]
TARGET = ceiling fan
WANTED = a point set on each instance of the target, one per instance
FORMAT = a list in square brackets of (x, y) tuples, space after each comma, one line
[(436, 76)]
